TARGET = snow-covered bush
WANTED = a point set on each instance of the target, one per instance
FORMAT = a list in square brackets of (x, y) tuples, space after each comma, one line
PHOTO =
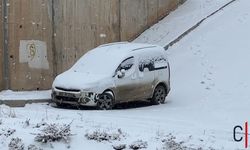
[(104, 136), (27, 123), (34, 147), (171, 144), (119, 147), (6, 111), (16, 144), (41, 124), (54, 132), (7, 132), (139, 144)]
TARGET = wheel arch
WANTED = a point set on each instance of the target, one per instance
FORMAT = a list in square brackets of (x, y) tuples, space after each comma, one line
[(162, 84), (110, 90)]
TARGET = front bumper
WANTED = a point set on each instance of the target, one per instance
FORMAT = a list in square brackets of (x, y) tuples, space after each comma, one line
[(74, 98)]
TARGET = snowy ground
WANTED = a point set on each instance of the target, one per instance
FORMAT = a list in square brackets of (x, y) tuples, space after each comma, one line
[(210, 95), (25, 95)]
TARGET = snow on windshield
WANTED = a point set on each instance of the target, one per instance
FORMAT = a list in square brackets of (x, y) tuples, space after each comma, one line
[(99, 61)]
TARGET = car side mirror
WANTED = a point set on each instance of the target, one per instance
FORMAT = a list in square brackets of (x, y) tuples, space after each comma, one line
[(121, 73)]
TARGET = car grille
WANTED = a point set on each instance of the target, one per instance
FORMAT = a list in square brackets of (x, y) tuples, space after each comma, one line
[(68, 90), (67, 98)]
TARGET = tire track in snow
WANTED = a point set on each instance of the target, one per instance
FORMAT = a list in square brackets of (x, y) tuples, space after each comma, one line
[(196, 25)]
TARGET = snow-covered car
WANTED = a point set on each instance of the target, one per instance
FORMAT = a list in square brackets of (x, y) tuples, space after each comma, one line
[(115, 73)]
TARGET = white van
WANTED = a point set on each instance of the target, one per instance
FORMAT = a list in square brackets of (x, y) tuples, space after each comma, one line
[(115, 73)]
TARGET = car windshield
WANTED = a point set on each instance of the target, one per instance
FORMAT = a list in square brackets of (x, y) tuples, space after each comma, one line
[(98, 62)]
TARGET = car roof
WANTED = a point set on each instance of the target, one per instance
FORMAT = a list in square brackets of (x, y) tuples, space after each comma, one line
[(106, 58), (125, 47)]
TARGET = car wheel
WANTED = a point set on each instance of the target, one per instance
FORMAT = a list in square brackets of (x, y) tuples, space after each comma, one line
[(105, 101), (159, 95)]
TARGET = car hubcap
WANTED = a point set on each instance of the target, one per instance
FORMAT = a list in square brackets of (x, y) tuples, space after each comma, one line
[(105, 102), (160, 95)]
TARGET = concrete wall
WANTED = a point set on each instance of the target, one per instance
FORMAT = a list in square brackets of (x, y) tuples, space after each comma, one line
[(138, 15), (81, 25), (30, 52), (1, 48), (46, 37), (106, 21)]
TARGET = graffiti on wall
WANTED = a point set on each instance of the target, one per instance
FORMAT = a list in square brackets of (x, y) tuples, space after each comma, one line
[(34, 53)]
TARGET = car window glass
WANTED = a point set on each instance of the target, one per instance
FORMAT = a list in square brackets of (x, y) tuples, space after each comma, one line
[(146, 63), (152, 63), (160, 62), (127, 64)]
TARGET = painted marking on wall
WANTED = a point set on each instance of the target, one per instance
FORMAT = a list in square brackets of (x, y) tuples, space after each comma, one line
[(34, 53)]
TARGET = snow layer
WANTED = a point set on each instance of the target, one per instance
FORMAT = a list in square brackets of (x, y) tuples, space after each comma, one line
[(25, 95), (210, 95)]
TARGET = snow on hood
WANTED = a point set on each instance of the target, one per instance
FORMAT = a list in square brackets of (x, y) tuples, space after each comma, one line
[(78, 80)]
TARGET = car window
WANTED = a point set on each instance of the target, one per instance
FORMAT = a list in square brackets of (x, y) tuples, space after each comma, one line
[(152, 63), (146, 63), (160, 62), (126, 64)]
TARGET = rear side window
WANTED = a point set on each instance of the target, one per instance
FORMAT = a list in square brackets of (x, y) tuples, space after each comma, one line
[(146, 63), (160, 62), (153, 63)]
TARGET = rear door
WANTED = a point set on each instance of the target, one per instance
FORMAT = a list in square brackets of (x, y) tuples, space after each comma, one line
[(146, 74)]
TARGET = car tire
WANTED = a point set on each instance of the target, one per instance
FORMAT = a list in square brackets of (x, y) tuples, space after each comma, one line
[(159, 95), (105, 101)]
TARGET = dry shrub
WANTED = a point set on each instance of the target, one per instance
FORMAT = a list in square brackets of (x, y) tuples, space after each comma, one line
[(54, 132)]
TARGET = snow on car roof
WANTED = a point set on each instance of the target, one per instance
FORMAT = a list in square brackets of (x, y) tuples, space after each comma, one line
[(125, 47), (106, 58)]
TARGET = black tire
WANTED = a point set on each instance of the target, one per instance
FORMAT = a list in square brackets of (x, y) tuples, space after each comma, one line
[(105, 101), (159, 95)]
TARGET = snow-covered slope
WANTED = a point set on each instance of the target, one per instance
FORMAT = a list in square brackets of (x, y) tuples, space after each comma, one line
[(187, 15), (210, 79), (210, 95)]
